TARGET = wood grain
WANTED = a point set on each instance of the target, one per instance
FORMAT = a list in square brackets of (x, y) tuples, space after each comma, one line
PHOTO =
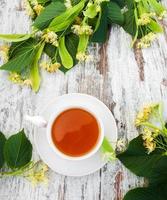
[(122, 78)]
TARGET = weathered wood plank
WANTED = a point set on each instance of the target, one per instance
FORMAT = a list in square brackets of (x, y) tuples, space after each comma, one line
[(119, 78)]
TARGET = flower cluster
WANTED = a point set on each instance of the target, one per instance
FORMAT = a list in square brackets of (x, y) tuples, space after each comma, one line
[(144, 115), (38, 8), (82, 29), (146, 40), (4, 52), (51, 37), (148, 14), (121, 145), (145, 18), (68, 4), (18, 79), (152, 125), (29, 10), (33, 8), (49, 67), (149, 141), (37, 173), (83, 57)]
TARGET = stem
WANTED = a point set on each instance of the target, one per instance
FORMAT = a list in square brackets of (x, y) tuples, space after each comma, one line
[(137, 27), (20, 171), (150, 125)]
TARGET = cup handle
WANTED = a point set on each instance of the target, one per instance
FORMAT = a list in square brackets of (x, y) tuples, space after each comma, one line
[(36, 120)]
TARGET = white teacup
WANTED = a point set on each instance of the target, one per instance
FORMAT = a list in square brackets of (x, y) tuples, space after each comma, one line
[(40, 122)]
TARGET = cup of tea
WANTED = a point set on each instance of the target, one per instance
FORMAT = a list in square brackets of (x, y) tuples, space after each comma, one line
[(74, 133)]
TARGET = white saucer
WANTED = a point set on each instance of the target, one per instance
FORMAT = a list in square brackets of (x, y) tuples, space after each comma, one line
[(67, 167)]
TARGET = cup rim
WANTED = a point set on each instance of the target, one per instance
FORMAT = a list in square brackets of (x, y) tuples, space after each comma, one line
[(61, 154)]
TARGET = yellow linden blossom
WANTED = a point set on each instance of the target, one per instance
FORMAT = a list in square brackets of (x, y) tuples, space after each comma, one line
[(51, 37), (38, 175), (83, 57), (27, 82), (82, 29), (147, 135), (15, 78), (68, 4), (28, 9), (50, 67), (98, 8), (4, 51), (121, 145), (145, 18), (38, 8), (150, 146), (144, 115), (146, 40)]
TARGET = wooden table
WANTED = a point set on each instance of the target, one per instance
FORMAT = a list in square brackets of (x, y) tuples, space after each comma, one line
[(121, 77)]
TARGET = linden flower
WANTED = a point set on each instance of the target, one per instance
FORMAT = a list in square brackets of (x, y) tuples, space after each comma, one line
[(146, 40), (150, 146), (4, 51), (144, 115), (38, 9), (82, 29), (27, 82), (145, 18), (147, 135), (28, 9), (15, 78), (121, 144), (68, 4), (98, 8), (33, 2), (38, 174), (50, 67), (51, 37), (83, 57)]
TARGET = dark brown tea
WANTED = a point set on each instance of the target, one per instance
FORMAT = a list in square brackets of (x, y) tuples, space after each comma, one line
[(75, 132)]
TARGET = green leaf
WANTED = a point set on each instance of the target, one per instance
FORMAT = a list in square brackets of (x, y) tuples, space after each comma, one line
[(50, 51), (137, 160), (66, 58), (107, 148), (100, 34), (64, 20), (130, 23), (34, 72), (71, 41), (159, 172), (43, 1), (74, 2), (20, 56), (129, 4), (14, 37), (114, 14), (48, 14), (150, 193), (121, 3), (18, 150), (91, 11), (2, 143)]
